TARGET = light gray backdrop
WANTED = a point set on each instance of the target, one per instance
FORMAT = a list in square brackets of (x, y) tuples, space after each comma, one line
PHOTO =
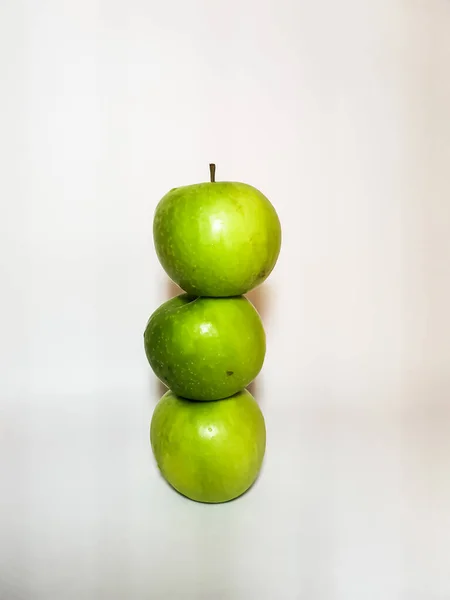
[(339, 112)]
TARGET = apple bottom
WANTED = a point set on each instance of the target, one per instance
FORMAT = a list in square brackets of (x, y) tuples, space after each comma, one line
[(209, 451)]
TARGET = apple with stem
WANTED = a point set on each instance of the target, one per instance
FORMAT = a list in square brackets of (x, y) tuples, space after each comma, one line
[(216, 238)]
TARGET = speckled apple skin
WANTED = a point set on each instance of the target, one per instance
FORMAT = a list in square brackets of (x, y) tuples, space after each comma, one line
[(209, 451), (205, 348), (217, 239)]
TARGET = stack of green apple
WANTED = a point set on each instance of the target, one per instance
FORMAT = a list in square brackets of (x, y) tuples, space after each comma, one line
[(217, 241)]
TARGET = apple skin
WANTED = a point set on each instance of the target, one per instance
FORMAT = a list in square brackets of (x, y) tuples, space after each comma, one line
[(205, 348), (217, 239), (209, 451)]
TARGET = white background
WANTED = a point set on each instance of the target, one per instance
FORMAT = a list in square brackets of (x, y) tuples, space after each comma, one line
[(340, 113)]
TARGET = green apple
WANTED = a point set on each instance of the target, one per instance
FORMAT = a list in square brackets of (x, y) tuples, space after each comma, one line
[(209, 451), (205, 348), (216, 239)]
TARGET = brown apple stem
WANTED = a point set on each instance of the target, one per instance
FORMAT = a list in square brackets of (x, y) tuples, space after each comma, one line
[(212, 172)]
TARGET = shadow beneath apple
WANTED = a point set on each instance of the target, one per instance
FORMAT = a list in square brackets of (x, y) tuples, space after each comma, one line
[(161, 389), (260, 298), (172, 290)]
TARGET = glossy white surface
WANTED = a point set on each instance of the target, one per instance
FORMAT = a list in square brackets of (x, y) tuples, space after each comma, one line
[(339, 112), (351, 503)]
